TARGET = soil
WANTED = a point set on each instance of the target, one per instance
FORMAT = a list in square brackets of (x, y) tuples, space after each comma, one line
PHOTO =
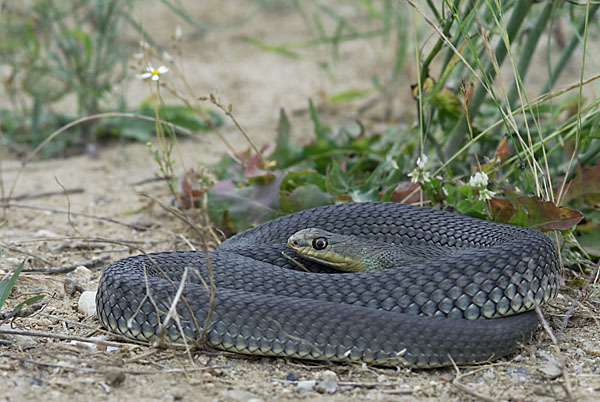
[(258, 83)]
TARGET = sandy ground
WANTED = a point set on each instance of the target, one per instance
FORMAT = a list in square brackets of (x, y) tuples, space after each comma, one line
[(258, 83)]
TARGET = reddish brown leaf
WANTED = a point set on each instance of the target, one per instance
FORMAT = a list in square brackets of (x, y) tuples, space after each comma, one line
[(545, 215), (585, 186), (253, 168), (190, 194), (502, 210), (502, 150), (406, 192)]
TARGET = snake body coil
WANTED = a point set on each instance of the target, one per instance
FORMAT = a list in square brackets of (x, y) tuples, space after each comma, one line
[(473, 304)]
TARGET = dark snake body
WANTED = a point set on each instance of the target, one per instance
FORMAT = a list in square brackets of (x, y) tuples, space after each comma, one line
[(471, 305)]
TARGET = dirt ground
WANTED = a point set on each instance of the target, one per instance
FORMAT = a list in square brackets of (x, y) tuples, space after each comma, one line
[(109, 185)]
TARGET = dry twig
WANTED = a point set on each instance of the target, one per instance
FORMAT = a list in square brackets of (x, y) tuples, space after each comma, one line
[(44, 194), (94, 262), (83, 214)]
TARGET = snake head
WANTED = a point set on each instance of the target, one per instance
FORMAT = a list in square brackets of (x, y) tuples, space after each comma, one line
[(326, 248)]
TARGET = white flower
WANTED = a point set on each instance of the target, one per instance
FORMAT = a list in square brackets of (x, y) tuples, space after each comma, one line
[(485, 194), (419, 174), (154, 74), (479, 180)]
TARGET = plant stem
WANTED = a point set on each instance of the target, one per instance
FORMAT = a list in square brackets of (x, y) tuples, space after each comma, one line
[(528, 49), (514, 24), (569, 49), (438, 45)]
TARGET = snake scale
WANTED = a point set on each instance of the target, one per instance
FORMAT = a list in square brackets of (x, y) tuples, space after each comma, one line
[(470, 305)]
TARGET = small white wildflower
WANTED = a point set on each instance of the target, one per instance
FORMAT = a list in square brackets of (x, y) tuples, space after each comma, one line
[(479, 180), (419, 174), (167, 56), (153, 73), (485, 194)]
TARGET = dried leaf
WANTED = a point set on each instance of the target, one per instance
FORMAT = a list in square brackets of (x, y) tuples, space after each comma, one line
[(588, 236), (502, 210), (239, 208), (531, 211), (502, 150), (585, 187), (406, 192)]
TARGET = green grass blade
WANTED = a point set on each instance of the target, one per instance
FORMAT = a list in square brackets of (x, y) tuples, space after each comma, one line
[(8, 283)]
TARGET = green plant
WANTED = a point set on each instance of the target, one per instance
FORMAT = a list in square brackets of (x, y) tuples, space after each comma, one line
[(6, 286), (8, 283), (54, 50), (496, 151)]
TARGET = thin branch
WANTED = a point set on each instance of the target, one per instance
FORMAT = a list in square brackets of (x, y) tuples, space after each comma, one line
[(63, 270), (68, 337), (31, 196), (83, 214), (586, 285), (131, 372)]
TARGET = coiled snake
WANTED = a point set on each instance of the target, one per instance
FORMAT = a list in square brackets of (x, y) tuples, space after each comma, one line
[(470, 304)]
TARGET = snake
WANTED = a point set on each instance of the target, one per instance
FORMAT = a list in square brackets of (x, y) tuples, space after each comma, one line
[(468, 295)]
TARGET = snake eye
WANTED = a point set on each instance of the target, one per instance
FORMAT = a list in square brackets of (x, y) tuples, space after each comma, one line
[(319, 243)]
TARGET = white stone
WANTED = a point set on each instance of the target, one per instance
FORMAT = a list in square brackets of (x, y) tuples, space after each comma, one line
[(87, 303)]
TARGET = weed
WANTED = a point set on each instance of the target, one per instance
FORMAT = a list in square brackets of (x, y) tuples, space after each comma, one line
[(55, 51)]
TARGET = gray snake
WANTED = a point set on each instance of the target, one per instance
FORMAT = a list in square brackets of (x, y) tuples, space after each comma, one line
[(473, 304)]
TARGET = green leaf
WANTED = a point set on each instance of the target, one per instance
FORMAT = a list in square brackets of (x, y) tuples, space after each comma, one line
[(348, 95), (285, 153), (464, 206), (304, 197), (8, 283), (27, 302), (467, 191), (293, 180), (85, 40), (277, 49), (239, 208), (588, 236), (320, 131)]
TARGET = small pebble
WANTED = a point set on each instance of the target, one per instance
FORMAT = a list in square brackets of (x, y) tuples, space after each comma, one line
[(329, 374), (291, 377), (489, 374), (550, 370), (238, 396), (45, 233), (83, 274), (306, 385), (87, 303), (114, 377), (72, 287), (327, 386)]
